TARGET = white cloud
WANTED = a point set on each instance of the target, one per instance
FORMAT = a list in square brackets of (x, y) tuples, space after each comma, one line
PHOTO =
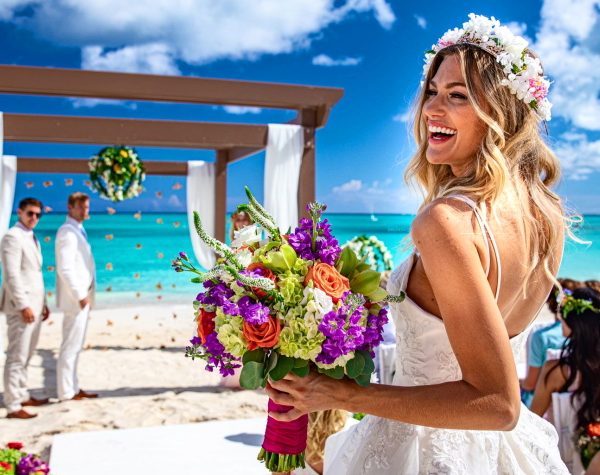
[(579, 157), (155, 58), (378, 196), (350, 186), (175, 202), (568, 42), (324, 60), (518, 28), (421, 21), (151, 36), (240, 110), (85, 102), (403, 117)]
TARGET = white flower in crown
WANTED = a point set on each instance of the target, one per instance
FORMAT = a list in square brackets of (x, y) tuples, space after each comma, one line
[(524, 73)]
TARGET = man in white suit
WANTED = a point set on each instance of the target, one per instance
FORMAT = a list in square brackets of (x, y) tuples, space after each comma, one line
[(23, 299), (75, 289)]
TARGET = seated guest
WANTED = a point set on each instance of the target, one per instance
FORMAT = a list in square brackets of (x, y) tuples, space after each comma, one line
[(578, 369), (549, 337)]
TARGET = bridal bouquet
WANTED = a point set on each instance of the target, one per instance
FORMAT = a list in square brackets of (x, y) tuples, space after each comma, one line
[(291, 302), (13, 461), (587, 441)]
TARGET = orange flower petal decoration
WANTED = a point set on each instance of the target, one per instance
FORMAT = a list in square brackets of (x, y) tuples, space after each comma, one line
[(47, 184), (29, 184), (68, 181), (593, 429)]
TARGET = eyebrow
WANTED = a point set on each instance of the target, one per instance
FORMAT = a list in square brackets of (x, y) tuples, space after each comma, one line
[(450, 84)]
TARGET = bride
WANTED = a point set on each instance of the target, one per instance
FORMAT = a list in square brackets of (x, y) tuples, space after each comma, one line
[(488, 242)]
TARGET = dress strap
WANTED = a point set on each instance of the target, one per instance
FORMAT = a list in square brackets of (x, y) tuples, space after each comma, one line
[(486, 231)]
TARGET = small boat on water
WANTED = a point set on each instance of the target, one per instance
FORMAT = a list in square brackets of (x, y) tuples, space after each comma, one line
[(374, 218)]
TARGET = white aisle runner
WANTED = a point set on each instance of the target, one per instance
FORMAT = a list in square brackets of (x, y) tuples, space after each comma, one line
[(211, 448)]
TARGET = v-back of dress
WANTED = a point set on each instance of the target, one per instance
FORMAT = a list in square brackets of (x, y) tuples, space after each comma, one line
[(424, 356)]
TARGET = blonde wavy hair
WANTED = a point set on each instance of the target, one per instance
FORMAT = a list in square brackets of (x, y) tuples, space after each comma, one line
[(512, 150), (321, 425)]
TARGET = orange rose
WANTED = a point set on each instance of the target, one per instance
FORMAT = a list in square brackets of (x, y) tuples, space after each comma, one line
[(593, 429), (265, 335), (329, 280), (206, 324), (267, 273)]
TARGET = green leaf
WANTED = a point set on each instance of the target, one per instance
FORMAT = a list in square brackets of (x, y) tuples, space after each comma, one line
[(300, 363), (196, 280), (363, 380), (347, 262), (365, 282), (257, 355), (252, 375), (377, 295), (302, 371), (355, 366), (272, 362), (283, 367), (369, 364), (335, 373)]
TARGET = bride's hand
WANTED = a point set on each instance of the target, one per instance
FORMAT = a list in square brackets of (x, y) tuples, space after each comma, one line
[(311, 393)]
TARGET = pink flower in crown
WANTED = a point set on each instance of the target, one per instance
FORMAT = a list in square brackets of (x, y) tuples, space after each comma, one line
[(444, 43), (538, 88)]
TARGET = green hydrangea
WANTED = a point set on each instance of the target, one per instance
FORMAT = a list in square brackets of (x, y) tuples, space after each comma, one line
[(279, 260), (230, 333), (340, 361), (291, 288), (300, 338)]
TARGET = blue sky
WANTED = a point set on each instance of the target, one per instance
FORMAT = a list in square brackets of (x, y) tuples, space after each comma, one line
[(371, 48)]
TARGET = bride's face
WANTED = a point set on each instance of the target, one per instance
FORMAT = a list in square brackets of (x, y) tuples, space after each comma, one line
[(455, 132)]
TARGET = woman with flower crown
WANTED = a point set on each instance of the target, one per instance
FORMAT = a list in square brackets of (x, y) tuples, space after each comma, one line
[(488, 242)]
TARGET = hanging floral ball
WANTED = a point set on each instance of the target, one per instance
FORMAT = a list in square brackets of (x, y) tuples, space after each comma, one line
[(117, 173), (373, 251)]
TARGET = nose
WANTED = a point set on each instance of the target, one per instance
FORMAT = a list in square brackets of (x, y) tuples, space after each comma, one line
[(434, 106)]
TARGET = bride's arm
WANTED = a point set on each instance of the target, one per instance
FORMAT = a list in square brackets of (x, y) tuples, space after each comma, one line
[(488, 395)]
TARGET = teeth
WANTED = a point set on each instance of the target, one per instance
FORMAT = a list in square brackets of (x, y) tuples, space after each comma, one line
[(441, 130)]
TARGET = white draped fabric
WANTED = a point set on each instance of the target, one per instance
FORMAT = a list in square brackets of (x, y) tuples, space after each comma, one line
[(282, 169), (8, 175), (201, 198)]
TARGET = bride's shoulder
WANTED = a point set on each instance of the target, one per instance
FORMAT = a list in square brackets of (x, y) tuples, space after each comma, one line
[(448, 216)]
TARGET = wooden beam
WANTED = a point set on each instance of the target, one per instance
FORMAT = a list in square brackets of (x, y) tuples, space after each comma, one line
[(80, 165), (147, 87), (135, 132), (221, 194)]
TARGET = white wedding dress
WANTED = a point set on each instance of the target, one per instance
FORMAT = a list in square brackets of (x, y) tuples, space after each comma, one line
[(424, 356)]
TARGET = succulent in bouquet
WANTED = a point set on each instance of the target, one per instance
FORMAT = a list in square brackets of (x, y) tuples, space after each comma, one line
[(278, 303)]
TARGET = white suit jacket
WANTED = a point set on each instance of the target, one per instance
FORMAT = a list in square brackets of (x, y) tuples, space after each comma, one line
[(22, 278), (75, 267)]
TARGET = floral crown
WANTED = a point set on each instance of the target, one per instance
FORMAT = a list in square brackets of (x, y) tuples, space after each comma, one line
[(524, 75), (570, 305)]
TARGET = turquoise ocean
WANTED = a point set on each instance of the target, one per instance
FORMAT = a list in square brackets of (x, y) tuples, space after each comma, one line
[(133, 255)]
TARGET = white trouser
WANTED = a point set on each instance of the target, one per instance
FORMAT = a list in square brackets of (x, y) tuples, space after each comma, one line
[(74, 328), (22, 342)]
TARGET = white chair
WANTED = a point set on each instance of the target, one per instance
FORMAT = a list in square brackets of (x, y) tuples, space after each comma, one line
[(564, 420), (385, 361)]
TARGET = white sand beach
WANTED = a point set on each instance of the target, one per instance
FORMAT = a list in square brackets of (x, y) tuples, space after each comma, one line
[(134, 358)]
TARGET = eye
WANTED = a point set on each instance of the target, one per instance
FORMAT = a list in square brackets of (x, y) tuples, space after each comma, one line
[(458, 95), (430, 92)]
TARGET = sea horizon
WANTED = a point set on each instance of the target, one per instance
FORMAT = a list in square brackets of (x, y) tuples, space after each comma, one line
[(133, 256)]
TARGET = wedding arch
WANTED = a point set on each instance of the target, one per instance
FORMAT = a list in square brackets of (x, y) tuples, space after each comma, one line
[(292, 143)]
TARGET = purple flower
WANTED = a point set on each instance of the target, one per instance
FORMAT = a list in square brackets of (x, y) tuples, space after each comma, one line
[(196, 340), (343, 331), (326, 247), (254, 313), (216, 293), (373, 334), (183, 256), (213, 352), (32, 465)]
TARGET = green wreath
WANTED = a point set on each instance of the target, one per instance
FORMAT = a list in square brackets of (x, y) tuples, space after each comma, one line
[(117, 173), (373, 251)]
